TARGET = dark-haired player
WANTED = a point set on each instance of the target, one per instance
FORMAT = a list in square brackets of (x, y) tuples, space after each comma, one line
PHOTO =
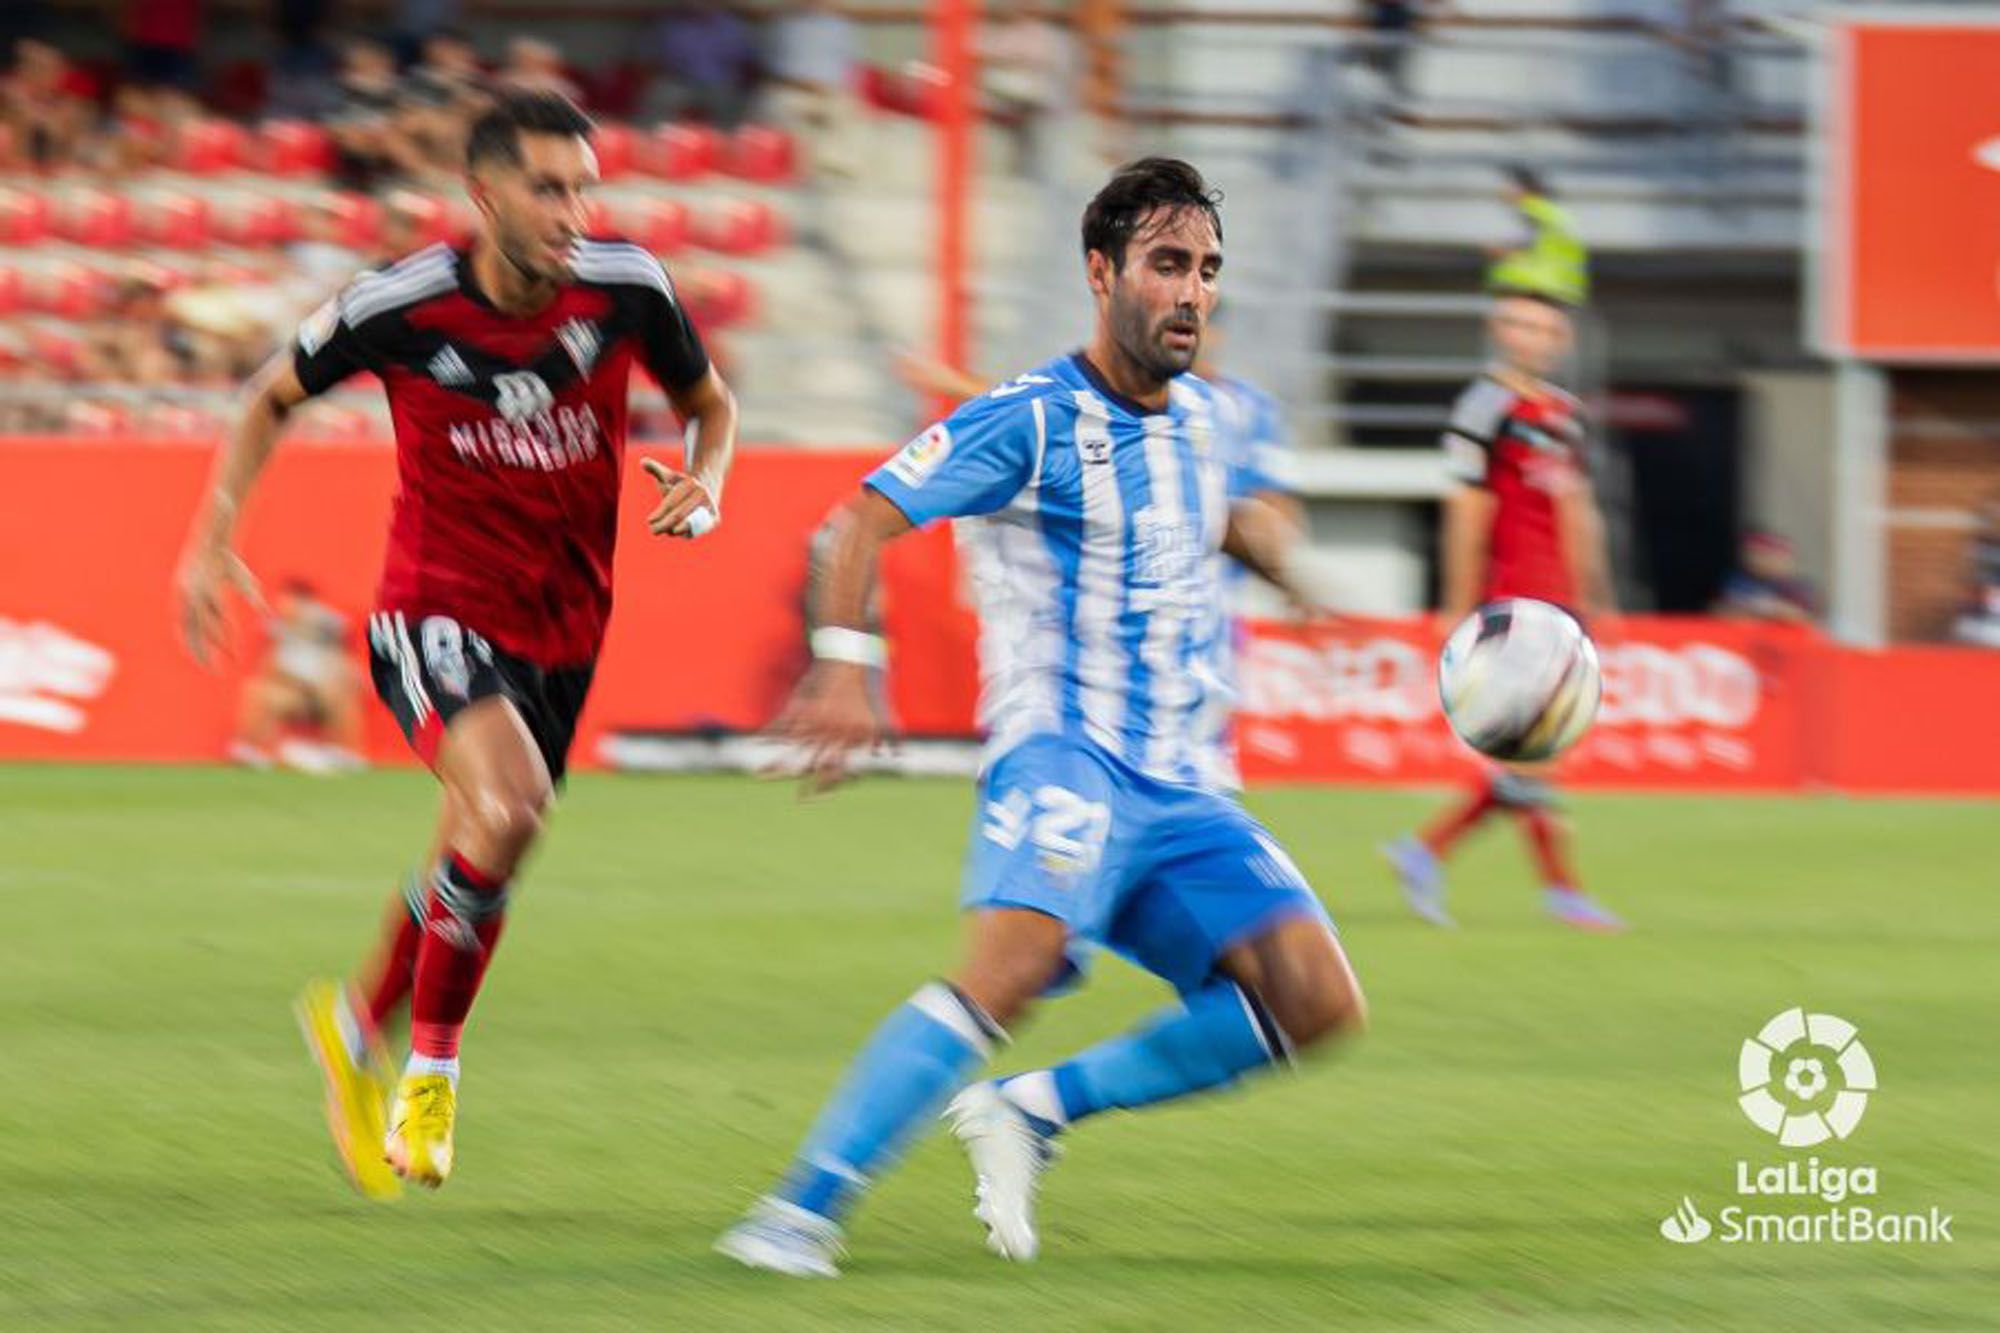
[(1094, 500), (1521, 521), (506, 365)]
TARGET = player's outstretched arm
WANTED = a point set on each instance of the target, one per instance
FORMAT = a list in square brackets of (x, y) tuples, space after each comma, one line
[(209, 564), (1588, 550), (830, 714), (1263, 536), (709, 409), (1468, 540)]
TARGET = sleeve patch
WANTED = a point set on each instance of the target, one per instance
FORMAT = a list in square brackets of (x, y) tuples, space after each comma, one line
[(922, 456)]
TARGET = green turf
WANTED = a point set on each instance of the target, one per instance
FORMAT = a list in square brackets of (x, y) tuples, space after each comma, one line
[(693, 959)]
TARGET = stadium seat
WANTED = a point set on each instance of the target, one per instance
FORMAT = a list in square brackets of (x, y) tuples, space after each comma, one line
[(597, 218), (762, 153), (55, 350), (265, 220), (616, 147), (11, 295), (96, 218), (665, 227), (680, 152), (209, 147), (293, 148), (718, 299), (24, 217), (69, 291), (743, 227), (357, 221), (177, 221)]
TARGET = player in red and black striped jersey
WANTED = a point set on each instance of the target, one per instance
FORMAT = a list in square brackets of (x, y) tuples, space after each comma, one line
[(506, 365), (1520, 521)]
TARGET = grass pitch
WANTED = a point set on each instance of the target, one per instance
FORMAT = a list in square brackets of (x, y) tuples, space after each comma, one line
[(691, 961)]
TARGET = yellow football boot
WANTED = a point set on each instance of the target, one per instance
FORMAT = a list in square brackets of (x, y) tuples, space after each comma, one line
[(420, 1123), (357, 1094)]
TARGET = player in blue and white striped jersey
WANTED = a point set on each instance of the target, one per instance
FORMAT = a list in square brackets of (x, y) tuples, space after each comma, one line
[(1095, 501)]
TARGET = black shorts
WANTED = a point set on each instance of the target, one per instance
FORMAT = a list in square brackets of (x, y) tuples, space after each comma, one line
[(425, 672)]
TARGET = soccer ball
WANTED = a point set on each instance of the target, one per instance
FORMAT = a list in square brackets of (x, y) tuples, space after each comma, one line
[(1519, 680)]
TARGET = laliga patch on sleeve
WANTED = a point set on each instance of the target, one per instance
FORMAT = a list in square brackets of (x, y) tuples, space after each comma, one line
[(921, 456), (319, 326)]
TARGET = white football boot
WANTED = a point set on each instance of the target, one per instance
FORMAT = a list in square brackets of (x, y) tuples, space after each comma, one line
[(1008, 1158)]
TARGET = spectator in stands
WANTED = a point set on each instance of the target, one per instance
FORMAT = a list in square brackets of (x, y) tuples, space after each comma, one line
[(1026, 64), (307, 686), (534, 65), (302, 75), (813, 57), (1979, 623), (417, 22), (161, 37), (437, 102), (138, 344), (1393, 29), (45, 103), (1767, 585), (705, 60), (1549, 260), (369, 139)]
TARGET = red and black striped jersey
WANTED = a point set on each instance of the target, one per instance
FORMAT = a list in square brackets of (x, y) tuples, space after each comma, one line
[(510, 433), (1528, 450)]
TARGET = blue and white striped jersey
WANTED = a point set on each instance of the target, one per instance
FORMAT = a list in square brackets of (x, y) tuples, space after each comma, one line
[(1094, 531)]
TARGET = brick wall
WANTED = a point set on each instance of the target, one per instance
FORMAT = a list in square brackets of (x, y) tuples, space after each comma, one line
[(1944, 464)]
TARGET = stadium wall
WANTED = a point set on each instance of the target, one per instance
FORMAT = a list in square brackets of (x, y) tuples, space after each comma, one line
[(709, 636)]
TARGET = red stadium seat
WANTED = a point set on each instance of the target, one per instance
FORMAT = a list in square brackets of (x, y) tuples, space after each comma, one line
[(293, 148), (12, 297), (357, 221), (616, 147), (69, 291), (744, 227), (209, 147), (762, 153), (178, 222), (55, 351), (680, 152), (24, 217), (266, 220), (666, 228), (597, 218), (96, 218), (718, 299)]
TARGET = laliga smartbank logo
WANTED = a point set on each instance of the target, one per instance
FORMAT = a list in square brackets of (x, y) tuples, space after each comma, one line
[(1805, 1079)]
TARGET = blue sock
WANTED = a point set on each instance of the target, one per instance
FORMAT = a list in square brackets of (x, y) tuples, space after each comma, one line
[(1221, 1033), (921, 1055)]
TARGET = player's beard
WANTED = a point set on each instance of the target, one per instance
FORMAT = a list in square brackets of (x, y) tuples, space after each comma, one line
[(519, 253), (1144, 341)]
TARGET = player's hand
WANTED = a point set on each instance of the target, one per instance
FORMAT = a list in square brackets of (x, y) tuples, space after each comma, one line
[(205, 578), (830, 716), (681, 498)]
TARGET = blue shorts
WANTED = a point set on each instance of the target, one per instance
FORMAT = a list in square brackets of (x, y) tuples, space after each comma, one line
[(1166, 876)]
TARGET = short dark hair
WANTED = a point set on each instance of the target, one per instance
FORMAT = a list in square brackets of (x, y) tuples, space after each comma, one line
[(496, 135), (1134, 192)]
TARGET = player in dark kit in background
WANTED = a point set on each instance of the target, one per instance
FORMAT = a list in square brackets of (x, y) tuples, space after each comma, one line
[(506, 365), (1521, 521)]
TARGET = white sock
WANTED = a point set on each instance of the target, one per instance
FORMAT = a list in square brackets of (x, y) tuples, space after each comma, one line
[(1036, 1094), (421, 1066)]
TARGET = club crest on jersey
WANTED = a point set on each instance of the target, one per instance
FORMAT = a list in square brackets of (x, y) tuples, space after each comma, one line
[(1094, 447), (921, 456), (521, 395), (580, 339)]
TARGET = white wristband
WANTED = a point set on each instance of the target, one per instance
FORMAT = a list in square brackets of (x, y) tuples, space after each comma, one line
[(702, 522), (837, 643)]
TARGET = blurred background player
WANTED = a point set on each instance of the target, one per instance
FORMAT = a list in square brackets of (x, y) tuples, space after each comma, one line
[(1522, 521), (1766, 584), (1101, 514), (302, 708), (507, 365)]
